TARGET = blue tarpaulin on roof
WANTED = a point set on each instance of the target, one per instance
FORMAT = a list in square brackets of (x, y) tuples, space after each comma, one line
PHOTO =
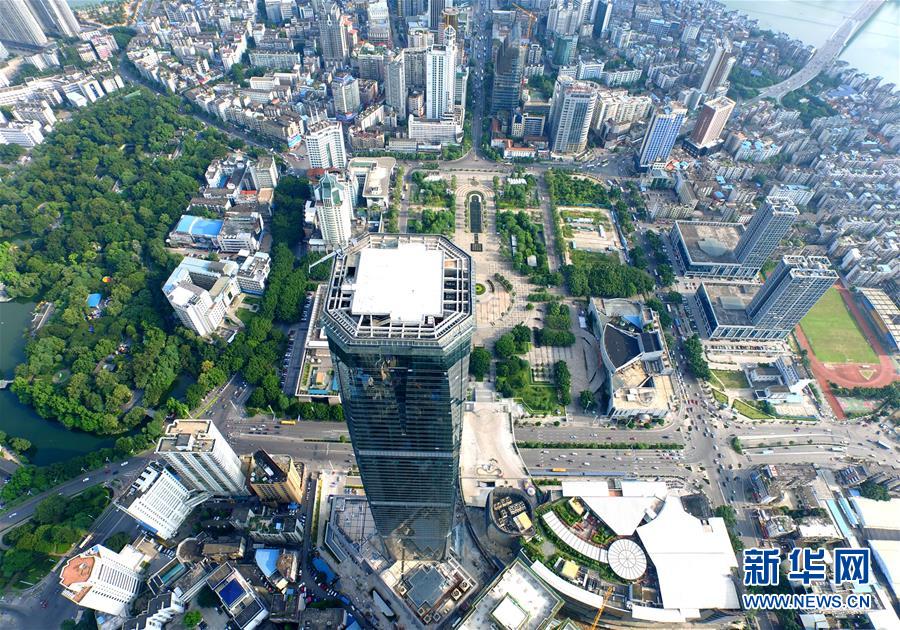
[(321, 567), (93, 300), (231, 592)]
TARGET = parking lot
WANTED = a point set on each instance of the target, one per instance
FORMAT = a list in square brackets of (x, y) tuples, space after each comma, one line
[(291, 365)]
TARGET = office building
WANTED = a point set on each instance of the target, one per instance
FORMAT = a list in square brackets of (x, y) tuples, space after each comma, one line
[(399, 321), (202, 457), (711, 122), (371, 181), (395, 91), (768, 226), (721, 60), (662, 131), (731, 250), (201, 291), (334, 209), (571, 114), (770, 312), (345, 93), (325, 145), (276, 478), (19, 25), (564, 50), (440, 80), (435, 11), (159, 501), (101, 579), (508, 72), (602, 15), (334, 37), (55, 16), (378, 25), (790, 292)]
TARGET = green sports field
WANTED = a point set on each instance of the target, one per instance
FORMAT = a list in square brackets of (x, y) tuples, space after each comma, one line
[(833, 334)]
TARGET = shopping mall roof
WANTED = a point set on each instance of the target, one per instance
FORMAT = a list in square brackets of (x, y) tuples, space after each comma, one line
[(693, 559), (883, 515)]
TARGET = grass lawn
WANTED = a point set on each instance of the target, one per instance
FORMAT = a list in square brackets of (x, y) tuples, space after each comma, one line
[(732, 379), (539, 398), (719, 397), (834, 335), (245, 315), (746, 409)]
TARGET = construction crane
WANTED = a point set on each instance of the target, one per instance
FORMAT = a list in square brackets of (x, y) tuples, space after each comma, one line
[(609, 591), (532, 18)]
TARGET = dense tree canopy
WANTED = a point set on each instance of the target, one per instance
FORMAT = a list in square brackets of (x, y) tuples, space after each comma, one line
[(90, 214), (602, 275)]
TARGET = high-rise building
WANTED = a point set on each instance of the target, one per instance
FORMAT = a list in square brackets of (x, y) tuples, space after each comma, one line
[(440, 79), (55, 16), (325, 145), (768, 226), (411, 8), (435, 10), (18, 24), (101, 579), (159, 501), (564, 50), (334, 36), (711, 121), (202, 458), (395, 91), (565, 17), (334, 209), (662, 131), (399, 322), (200, 292), (770, 312), (276, 478), (721, 60), (345, 92), (602, 15), (378, 25), (790, 292), (571, 114), (508, 72)]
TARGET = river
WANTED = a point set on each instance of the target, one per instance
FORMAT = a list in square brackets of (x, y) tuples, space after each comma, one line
[(874, 50), (52, 441)]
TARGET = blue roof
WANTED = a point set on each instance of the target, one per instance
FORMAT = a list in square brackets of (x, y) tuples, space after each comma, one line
[(321, 567), (198, 226), (266, 560), (231, 592), (93, 300), (635, 320)]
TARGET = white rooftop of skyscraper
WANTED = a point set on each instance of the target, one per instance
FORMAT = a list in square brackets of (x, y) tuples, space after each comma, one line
[(405, 283)]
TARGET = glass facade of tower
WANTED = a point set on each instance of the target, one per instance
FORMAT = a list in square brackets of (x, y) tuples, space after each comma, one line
[(403, 385)]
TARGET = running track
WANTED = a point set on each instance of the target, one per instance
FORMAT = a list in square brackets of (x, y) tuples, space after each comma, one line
[(848, 374)]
